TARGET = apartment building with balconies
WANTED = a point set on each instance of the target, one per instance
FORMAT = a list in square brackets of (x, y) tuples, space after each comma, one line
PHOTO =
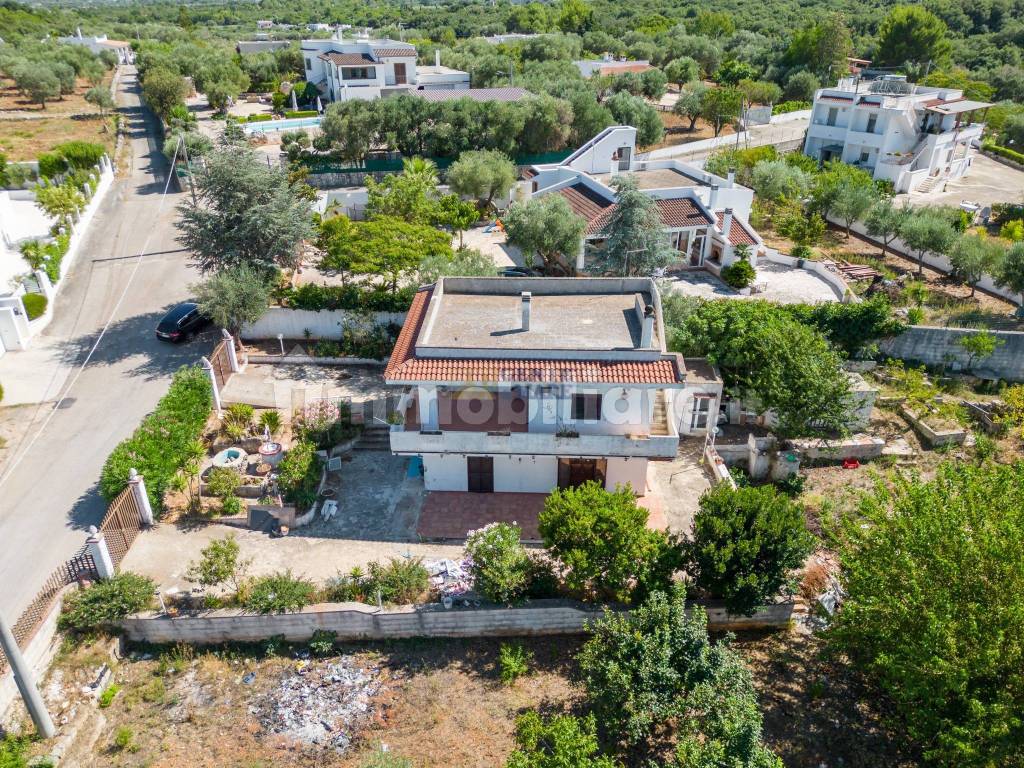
[(705, 216), (531, 384), (912, 135)]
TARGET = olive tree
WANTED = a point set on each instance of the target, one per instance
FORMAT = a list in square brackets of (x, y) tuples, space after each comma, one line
[(548, 229), (233, 297), (482, 175)]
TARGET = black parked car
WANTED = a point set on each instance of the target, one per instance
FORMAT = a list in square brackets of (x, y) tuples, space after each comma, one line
[(519, 272), (182, 323)]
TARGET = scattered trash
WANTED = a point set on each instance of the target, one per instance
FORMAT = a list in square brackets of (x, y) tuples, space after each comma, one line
[(320, 703), (451, 578), (249, 678)]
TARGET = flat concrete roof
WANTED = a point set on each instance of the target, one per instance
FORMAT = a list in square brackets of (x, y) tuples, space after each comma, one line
[(557, 321), (654, 178)]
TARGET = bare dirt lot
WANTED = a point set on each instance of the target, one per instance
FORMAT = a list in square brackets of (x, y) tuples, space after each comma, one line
[(433, 702)]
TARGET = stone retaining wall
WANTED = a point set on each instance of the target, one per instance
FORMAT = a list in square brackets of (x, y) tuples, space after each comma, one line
[(941, 346), (355, 621)]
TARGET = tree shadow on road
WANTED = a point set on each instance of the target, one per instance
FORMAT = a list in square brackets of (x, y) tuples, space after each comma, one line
[(88, 510), (135, 337)]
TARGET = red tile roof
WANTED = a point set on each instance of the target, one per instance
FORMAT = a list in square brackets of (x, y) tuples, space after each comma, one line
[(348, 59), (738, 234), (405, 366), (677, 212)]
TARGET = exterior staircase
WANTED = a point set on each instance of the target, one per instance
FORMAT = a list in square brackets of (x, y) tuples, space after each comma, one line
[(375, 437), (929, 184), (659, 420)]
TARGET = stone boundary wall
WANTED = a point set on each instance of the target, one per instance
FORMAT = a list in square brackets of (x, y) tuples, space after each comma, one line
[(940, 346), (325, 324), (39, 653), (355, 621)]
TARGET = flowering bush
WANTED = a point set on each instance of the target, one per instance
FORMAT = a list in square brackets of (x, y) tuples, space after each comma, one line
[(500, 565), (324, 423)]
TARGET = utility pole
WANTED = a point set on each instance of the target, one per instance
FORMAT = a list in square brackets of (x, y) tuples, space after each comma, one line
[(26, 684)]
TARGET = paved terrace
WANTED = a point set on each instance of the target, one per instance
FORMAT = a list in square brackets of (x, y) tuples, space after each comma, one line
[(783, 284)]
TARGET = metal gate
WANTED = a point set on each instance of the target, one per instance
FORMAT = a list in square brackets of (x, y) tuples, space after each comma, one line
[(121, 525)]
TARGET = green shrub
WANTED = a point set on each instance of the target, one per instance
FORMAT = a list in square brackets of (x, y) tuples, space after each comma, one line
[(561, 741), (316, 298), (739, 274), (164, 442), (35, 305), (915, 316), (745, 544), (513, 662), (325, 424), (124, 739), (106, 602), (239, 414), (14, 751), (81, 155), (271, 421), (222, 482), (501, 566), (801, 252), (295, 113), (107, 697), (383, 759), (322, 642), (327, 348), (258, 118), (231, 506), (1012, 230), (398, 582), (51, 164), (790, 106), (298, 474), (278, 593), (1009, 154)]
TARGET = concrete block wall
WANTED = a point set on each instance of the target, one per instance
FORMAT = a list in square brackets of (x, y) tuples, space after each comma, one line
[(941, 346), (354, 622)]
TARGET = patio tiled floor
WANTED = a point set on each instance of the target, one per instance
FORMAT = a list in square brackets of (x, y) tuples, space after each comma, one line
[(449, 515)]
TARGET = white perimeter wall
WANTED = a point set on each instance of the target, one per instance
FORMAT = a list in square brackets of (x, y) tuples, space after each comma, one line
[(328, 324)]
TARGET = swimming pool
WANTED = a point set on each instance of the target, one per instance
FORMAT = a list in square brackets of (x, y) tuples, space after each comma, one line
[(269, 126)]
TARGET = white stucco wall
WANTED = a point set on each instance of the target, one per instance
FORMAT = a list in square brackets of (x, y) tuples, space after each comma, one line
[(445, 472), (628, 471), (525, 474)]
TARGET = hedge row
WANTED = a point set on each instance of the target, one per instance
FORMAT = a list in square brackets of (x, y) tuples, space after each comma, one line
[(258, 118), (164, 441), (790, 106), (70, 156), (301, 113), (317, 298), (1009, 154), (35, 305)]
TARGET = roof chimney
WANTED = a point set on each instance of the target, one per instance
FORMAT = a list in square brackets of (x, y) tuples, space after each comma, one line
[(437, 57), (647, 333), (526, 296), (727, 223), (713, 197)]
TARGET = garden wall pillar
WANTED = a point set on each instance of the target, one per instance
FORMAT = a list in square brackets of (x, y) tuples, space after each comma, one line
[(208, 367), (232, 352), (96, 546), (138, 486)]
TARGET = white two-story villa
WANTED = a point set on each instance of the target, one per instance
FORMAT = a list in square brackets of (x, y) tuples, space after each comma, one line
[(362, 68), (915, 136), (705, 216), (531, 384)]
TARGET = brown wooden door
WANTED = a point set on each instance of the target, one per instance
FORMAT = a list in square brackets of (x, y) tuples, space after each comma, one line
[(480, 471), (399, 74), (576, 472)]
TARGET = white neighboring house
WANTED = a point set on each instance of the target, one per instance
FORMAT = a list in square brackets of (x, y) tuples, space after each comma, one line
[(705, 216), (344, 69), (915, 136), (101, 43), (609, 65), (530, 384)]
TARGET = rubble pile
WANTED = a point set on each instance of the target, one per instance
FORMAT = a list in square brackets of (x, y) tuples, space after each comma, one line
[(451, 578), (320, 703)]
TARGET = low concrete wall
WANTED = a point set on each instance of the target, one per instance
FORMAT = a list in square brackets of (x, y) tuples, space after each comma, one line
[(39, 654), (933, 437), (355, 621), (854, 447), (311, 360), (328, 324), (941, 346)]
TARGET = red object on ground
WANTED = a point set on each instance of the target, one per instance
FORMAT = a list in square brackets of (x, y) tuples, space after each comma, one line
[(850, 463)]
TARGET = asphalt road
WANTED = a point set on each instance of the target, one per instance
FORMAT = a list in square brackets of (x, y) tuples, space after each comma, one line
[(49, 498)]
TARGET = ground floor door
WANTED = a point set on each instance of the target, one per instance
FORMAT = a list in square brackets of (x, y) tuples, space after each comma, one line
[(576, 472), (480, 471)]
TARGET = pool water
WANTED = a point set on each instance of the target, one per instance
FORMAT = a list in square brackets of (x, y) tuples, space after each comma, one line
[(270, 126)]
